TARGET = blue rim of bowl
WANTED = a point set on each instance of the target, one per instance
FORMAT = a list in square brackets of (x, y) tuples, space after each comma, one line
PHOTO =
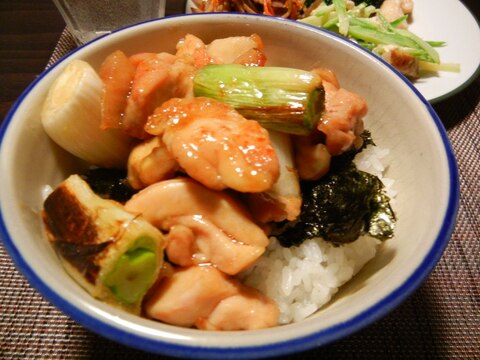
[(302, 343)]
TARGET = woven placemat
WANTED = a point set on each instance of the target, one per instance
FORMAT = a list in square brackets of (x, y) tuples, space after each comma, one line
[(439, 321)]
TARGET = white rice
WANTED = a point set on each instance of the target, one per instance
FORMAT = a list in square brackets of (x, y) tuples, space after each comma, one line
[(301, 279), (372, 160)]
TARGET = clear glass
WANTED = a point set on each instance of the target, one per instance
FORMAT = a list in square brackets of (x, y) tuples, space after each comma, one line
[(88, 19)]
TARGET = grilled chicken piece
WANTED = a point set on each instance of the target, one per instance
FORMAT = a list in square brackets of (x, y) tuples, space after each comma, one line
[(204, 297), (194, 240), (245, 50), (247, 310), (342, 119), (188, 295), (209, 224), (216, 145), (394, 9), (115, 255), (150, 162), (401, 60)]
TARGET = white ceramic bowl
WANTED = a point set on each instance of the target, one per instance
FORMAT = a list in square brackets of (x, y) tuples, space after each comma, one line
[(421, 162)]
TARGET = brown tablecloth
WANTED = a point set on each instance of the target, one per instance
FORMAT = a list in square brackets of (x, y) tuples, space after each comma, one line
[(441, 320)]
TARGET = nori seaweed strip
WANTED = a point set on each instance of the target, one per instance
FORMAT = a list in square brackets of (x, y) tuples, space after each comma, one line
[(109, 183), (342, 205)]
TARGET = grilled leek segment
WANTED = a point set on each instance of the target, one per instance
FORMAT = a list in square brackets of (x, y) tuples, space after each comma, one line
[(282, 99), (115, 255), (71, 116)]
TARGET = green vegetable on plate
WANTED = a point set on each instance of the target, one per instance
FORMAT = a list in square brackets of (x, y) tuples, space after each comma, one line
[(364, 24)]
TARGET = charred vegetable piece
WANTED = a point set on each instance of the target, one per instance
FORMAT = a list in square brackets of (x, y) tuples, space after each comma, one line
[(283, 99), (109, 183), (342, 206), (115, 255)]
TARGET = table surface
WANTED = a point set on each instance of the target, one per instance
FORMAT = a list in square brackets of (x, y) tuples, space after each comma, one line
[(440, 320)]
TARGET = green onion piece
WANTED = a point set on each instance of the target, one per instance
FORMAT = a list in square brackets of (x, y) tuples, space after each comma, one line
[(343, 21), (388, 27), (355, 24), (332, 22), (133, 272), (279, 98), (313, 20), (398, 21), (365, 23), (422, 44), (426, 66), (377, 37), (319, 16), (437, 43), (321, 11)]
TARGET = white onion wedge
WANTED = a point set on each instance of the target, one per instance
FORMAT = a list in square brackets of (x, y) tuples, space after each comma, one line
[(287, 186), (283, 200), (71, 117)]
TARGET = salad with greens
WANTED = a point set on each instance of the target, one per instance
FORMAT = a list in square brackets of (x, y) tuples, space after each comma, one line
[(380, 26), (363, 22)]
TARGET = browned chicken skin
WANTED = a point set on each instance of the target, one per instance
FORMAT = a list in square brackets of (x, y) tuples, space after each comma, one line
[(215, 145), (204, 297), (207, 226)]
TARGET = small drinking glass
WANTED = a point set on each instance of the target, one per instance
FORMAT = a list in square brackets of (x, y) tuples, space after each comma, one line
[(89, 19)]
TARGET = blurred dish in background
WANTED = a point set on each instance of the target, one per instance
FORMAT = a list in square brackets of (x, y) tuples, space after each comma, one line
[(437, 71)]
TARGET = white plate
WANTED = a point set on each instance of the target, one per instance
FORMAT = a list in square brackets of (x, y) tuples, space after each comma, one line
[(453, 23)]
